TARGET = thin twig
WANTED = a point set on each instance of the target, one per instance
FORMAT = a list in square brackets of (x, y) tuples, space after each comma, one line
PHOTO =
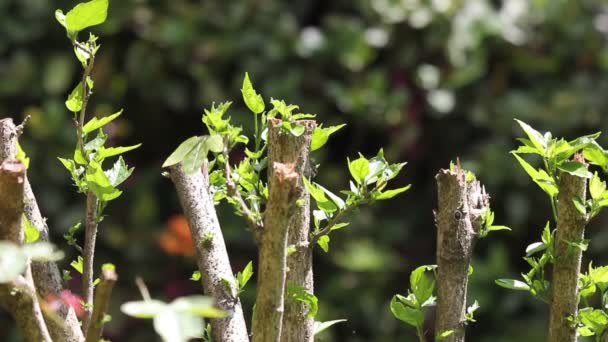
[(254, 224)]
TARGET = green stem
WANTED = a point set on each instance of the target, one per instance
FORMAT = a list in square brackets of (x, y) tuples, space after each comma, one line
[(257, 133), (420, 334), (553, 207)]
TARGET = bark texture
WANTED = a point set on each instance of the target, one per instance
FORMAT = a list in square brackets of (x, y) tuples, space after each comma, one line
[(101, 304), (88, 257), (287, 160), (460, 209), (19, 298), (296, 150), (212, 256), (47, 277), (567, 264)]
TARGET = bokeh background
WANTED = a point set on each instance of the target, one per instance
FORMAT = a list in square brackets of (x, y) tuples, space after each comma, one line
[(427, 80)]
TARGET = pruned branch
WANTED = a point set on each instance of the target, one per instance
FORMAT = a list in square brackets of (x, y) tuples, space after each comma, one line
[(101, 304), (461, 206), (212, 256), (289, 149), (269, 307), (18, 297), (566, 267), (47, 277)]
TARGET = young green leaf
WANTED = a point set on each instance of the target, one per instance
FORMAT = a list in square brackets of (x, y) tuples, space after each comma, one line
[(31, 232), (321, 326), (96, 123), (596, 187), (77, 264), (86, 14), (409, 315), (323, 242), (182, 150), (359, 168), (119, 172), (22, 157), (75, 99), (114, 151), (320, 136), (540, 177), (537, 139), (575, 168), (99, 183), (253, 100), (512, 284), (243, 277), (391, 193), (196, 276), (299, 293)]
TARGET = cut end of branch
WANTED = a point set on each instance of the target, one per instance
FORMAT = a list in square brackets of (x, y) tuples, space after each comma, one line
[(285, 172)]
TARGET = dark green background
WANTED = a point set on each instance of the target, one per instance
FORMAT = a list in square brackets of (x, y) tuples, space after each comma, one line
[(427, 80)]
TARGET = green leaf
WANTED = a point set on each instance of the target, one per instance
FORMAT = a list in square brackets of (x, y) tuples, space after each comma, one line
[(77, 264), (143, 308), (339, 225), (243, 277), (22, 157), (253, 100), (535, 247), (99, 184), (596, 187), (196, 276), (494, 228), (299, 293), (215, 143), (197, 305), (320, 136), (75, 99), (541, 178), (114, 151), (422, 286), (443, 335), (359, 168), (194, 159), (596, 155), (297, 130), (96, 123), (60, 16), (174, 326), (579, 205), (12, 261), (86, 14), (119, 172), (31, 232), (182, 150), (391, 193), (409, 315), (537, 139), (323, 242), (469, 315), (512, 284), (321, 326), (575, 168)]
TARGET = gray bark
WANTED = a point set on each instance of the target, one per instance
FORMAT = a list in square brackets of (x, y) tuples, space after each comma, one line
[(47, 277), (566, 267), (461, 205), (19, 298), (212, 256)]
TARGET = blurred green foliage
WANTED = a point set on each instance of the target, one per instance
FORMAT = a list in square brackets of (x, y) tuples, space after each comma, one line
[(429, 80)]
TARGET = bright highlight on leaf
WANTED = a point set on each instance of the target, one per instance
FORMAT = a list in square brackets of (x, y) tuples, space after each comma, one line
[(86, 14), (253, 100)]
